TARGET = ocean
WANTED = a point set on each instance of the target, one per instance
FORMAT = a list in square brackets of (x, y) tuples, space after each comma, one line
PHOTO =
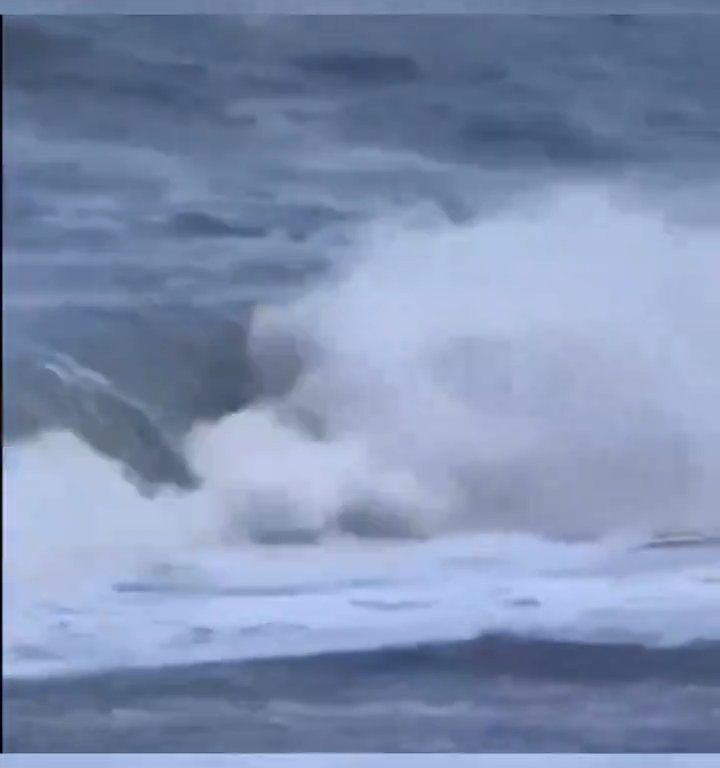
[(361, 388)]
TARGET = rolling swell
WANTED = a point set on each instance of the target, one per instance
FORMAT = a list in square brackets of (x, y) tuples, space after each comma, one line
[(491, 694), (485, 657)]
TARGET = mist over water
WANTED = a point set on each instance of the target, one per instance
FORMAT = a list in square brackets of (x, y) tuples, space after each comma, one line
[(356, 366), (548, 370)]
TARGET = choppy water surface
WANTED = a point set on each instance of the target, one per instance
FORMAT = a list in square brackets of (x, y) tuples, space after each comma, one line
[(360, 384)]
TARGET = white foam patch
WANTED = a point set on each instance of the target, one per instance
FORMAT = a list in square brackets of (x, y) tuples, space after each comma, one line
[(70, 515), (291, 601)]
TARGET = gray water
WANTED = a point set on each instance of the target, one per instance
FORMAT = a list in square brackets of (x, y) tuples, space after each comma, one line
[(167, 177)]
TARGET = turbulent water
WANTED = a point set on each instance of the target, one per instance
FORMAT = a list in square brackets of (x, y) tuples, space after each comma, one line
[(360, 368)]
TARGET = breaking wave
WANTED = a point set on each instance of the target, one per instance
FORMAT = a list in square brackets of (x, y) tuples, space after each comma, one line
[(550, 369)]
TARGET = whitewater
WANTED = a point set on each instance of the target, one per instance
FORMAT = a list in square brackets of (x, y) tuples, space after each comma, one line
[(464, 430), (330, 427)]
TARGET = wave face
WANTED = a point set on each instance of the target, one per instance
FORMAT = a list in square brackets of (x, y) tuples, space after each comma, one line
[(463, 346)]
